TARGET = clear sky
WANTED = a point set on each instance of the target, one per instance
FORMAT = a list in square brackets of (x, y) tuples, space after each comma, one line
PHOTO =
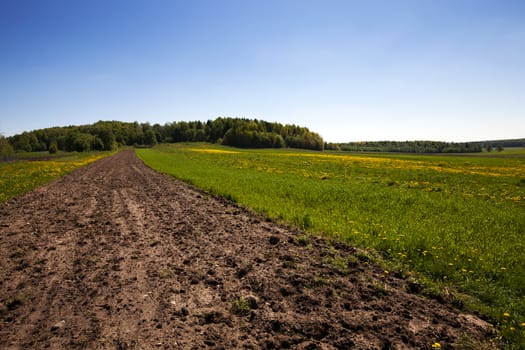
[(448, 70)]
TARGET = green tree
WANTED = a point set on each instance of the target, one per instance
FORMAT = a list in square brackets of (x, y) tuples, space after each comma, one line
[(22, 142), (108, 139), (53, 147), (6, 150), (150, 138)]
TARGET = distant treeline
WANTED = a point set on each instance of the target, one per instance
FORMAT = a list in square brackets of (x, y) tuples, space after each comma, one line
[(498, 144), (426, 146), (409, 147), (108, 135)]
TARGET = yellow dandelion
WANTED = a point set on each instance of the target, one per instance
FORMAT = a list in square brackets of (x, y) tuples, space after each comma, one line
[(436, 345), (506, 314)]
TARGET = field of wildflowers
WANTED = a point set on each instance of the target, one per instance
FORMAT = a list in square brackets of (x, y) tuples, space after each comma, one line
[(22, 176), (455, 221)]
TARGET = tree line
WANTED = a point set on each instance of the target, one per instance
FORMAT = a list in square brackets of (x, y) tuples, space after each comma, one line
[(109, 135), (499, 145), (409, 147), (236, 132)]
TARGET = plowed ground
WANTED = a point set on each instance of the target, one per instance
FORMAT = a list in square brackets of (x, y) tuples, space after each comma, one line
[(117, 256)]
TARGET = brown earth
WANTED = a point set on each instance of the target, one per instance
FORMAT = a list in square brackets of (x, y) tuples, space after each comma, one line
[(117, 256)]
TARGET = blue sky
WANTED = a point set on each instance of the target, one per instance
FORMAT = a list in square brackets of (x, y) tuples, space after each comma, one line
[(450, 70)]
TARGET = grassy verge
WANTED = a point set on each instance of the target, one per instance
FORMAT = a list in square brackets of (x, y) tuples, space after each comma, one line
[(19, 177), (458, 221)]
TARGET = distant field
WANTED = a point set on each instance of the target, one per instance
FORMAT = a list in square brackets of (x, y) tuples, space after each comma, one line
[(21, 176), (456, 220)]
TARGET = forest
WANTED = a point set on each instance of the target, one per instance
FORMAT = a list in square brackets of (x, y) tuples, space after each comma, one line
[(427, 146), (108, 135), (411, 146), (236, 132)]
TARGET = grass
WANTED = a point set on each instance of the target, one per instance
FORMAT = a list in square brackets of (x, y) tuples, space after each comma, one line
[(19, 177), (42, 155), (456, 220)]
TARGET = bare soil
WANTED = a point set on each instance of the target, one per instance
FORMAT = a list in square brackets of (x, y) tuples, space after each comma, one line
[(117, 256)]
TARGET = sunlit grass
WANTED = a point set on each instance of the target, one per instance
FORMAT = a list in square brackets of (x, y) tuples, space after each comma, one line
[(22, 176), (458, 221)]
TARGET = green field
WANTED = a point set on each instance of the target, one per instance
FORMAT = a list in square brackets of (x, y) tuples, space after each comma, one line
[(456, 221), (21, 176)]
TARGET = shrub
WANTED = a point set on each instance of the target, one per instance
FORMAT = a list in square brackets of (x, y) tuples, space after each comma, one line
[(6, 150), (53, 147)]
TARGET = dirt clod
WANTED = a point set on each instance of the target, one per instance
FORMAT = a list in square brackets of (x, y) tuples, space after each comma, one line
[(57, 326), (274, 240), (127, 258)]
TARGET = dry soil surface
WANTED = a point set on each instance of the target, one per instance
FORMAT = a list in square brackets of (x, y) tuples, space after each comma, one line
[(117, 256)]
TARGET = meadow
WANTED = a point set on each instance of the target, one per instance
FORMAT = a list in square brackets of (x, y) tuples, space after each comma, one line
[(453, 222), (21, 176)]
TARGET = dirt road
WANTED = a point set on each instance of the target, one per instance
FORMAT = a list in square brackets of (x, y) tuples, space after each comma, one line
[(117, 256)]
